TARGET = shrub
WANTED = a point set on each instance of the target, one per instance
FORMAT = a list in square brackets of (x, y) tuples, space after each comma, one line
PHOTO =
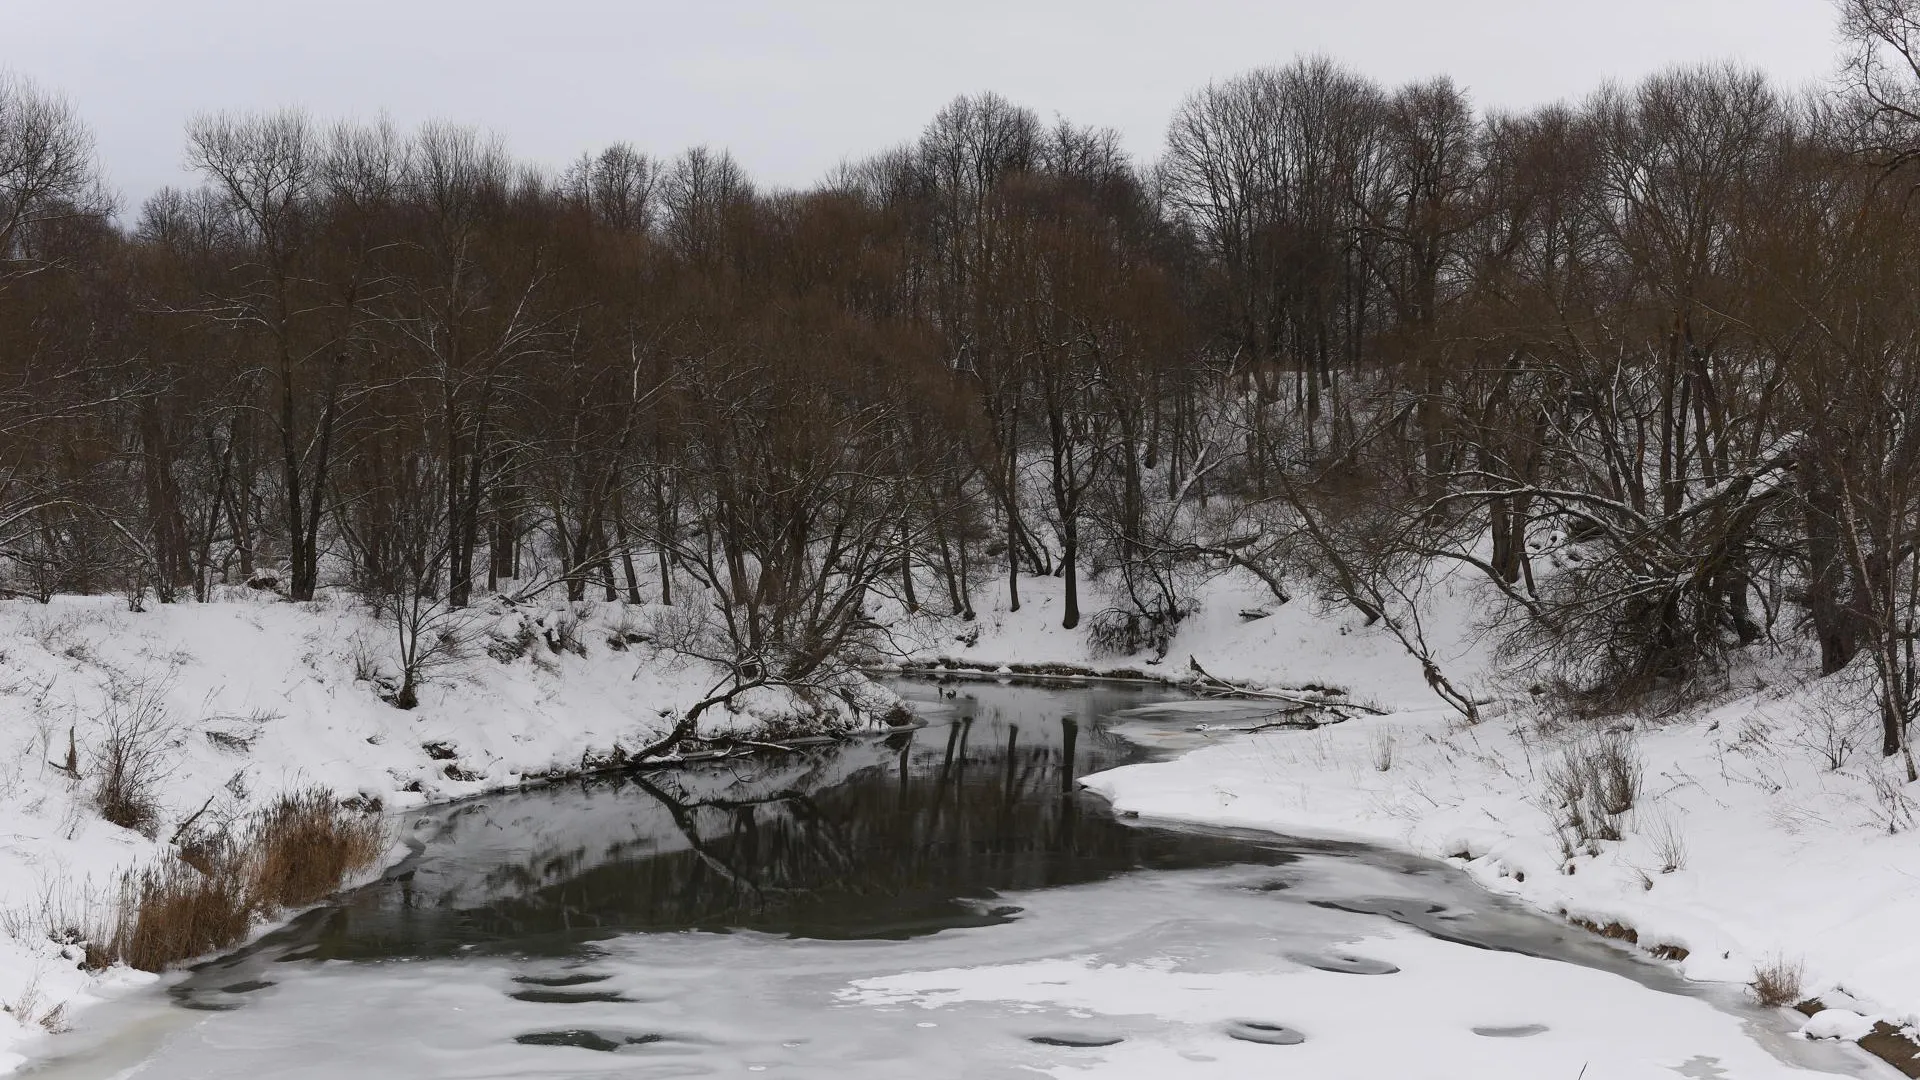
[(131, 761), (506, 648), (1593, 784), (1832, 731), (1124, 632), (563, 633), (1776, 982)]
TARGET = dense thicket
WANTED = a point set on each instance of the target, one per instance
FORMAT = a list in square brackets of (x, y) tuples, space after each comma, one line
[(1649, 363)]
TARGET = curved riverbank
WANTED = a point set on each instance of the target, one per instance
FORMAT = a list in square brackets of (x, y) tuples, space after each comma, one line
[(939, 902), (1765, 832), (1736, 860), (236, 703)]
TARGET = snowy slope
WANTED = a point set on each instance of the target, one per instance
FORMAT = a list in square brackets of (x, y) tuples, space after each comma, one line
[(258, 697), (1785, 857), (1305, 642)]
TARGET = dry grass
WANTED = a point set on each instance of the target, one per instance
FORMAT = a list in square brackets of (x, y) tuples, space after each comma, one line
[(206, 899), (1669, 843), (306, 845), (1593, 785), (172, 911), (1383, 747), (28, 1007), (1776, 983)]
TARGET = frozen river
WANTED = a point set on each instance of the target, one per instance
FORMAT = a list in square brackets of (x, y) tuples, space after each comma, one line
[(940, 904)]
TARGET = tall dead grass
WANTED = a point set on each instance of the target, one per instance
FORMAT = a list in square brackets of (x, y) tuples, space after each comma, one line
[(1776, 982), (1593, 785), (208, 896), (306, 845)]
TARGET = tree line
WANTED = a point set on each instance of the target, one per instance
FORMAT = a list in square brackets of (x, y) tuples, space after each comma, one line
[(1646, 363)]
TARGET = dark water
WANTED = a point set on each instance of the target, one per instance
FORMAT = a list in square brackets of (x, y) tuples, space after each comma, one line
[(907, 834), (940, 902)]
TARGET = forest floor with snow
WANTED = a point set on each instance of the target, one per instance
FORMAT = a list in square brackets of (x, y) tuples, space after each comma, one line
[(237, 702), (1767, 833)]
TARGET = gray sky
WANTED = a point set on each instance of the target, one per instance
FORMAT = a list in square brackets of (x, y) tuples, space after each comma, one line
[(793, 88)]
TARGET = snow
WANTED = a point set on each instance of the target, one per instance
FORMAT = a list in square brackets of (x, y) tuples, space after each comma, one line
[(261, 697), (1783, 857), (1837, 1024), (1449, 1011), (1748, 847), (1171, 964), (1303, 643)]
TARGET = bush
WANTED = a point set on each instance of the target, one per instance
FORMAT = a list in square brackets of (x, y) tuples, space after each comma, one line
[(1124, 632), (131, 761), (1776, 983), (563, 633), (506, 648)]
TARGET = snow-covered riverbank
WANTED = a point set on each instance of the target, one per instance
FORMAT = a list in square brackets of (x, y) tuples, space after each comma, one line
[(240, 701), (1768, 832), (1747, 846)]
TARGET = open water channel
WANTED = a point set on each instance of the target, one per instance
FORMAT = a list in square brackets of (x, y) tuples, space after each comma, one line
[(940, 903)]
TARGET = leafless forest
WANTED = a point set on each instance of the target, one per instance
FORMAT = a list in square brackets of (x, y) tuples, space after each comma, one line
[(1648, 362)]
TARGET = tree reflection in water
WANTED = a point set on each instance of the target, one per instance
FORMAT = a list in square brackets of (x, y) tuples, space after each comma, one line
[(891, 838)]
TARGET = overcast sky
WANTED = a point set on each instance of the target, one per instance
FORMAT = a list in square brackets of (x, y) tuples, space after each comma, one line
[(793, 88)]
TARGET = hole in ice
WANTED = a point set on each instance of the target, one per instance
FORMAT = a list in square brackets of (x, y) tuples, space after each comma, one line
[(1075, 1040), (1514, 1031), (1259, 1031), (246, 987), (1345, 965), (606, 1042), (567, 997), (575, 979)]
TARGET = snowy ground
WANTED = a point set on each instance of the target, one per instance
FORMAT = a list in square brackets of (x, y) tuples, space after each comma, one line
[(1231, 972), (254, 697), (1301, 643), (1768, 832), (1782, 855)]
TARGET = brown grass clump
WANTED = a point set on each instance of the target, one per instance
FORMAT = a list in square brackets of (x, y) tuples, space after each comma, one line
[(1776, 983), (171, 912), (207, 898), (306, 845)]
